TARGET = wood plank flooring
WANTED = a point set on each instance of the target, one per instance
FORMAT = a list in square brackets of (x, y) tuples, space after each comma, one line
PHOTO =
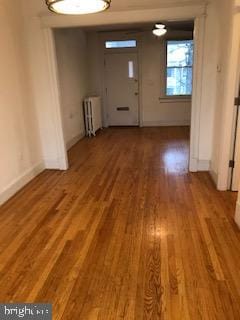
[(126, 233)]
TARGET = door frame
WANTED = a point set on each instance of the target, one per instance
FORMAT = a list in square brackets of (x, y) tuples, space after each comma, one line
[(199, 33), (120, 51), (235, 147), (197, 13), (232, 79)]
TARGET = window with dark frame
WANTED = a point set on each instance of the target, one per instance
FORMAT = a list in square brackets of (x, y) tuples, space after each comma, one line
[(179, 68)]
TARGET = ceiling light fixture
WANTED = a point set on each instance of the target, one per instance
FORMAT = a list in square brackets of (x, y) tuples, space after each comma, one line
[(160, 26), (77, 6), (159, 30)]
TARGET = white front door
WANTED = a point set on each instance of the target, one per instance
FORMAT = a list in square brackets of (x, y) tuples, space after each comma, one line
[(122, 90)]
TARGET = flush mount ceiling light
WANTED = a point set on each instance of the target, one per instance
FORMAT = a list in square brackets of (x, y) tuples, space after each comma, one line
[(77, 6), (159, 30), (160, 26)]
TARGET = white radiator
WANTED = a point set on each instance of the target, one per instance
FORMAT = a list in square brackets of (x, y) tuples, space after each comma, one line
[(93, 115)]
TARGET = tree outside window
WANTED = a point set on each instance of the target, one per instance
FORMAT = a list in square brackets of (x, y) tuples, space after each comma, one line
[(179, 68)]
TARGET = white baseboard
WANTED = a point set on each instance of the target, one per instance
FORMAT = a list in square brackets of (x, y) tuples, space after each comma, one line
[(55, 164), (214, 176), (174, 123), (73, 141), (20, 182), (237, 214), (199, 165), (193, 165), (203, 165), (52, 164)]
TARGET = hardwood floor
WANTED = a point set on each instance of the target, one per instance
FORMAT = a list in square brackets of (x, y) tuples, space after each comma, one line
[(126, 233)]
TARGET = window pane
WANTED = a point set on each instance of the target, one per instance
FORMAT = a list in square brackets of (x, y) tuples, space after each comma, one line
[(130, 70), (179, 67), (180, 53), (120, 44), (179, 81)]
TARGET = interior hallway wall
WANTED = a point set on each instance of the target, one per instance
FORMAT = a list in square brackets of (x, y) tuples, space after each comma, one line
[(21, 156), (71, 51), (224, 15), (210, 72)]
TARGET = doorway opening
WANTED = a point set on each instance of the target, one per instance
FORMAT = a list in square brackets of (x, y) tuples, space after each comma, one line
[(142, 80)]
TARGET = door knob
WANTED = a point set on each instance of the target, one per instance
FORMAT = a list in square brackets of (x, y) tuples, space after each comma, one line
[(136, 93)]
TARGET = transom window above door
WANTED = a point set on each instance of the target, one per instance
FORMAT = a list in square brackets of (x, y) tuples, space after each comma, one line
[(116, 44)]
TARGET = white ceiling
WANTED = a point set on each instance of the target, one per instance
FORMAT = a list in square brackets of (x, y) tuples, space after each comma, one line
[(38, 7)]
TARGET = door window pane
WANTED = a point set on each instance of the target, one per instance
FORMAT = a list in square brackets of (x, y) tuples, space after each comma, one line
[(130, 70), (179, 67)]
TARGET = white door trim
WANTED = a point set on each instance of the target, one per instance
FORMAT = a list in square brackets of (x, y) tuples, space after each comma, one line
[(55, 94), (199, 32), (228, 105)]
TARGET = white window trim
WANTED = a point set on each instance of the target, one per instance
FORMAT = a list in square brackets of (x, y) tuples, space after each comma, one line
[(173, 98)]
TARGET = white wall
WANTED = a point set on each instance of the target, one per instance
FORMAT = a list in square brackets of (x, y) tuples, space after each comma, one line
[(222, 16), (42, 62), (155, 109), (21, 157), (71, 51), (209, 83), (224, 110)]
